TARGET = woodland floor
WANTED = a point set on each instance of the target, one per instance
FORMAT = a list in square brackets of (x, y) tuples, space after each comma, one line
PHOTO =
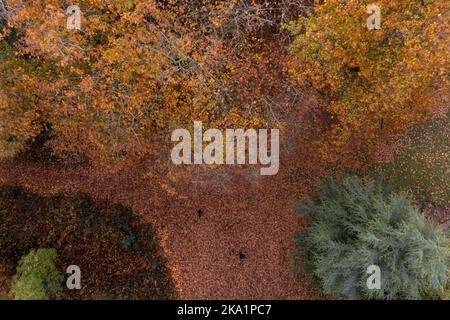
[(229, 242)]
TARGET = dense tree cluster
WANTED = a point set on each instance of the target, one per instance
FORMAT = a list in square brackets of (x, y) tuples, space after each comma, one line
[(134, 71), (377, 81), (138, 69)]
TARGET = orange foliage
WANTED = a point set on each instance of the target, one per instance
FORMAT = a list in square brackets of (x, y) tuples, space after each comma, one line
[(135, 71), (378, 81)]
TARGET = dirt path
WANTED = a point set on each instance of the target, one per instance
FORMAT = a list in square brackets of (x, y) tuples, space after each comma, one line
[(235, 247)]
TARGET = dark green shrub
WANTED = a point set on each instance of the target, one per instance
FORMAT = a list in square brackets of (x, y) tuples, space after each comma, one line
[(37, 276), (355, 225)]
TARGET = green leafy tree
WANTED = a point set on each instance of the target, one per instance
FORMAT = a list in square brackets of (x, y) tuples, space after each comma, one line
[(355, 225), (37, 276)]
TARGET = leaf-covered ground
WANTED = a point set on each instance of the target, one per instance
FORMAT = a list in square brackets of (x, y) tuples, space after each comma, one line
[(229, 240), (119, 257), (224, 239)]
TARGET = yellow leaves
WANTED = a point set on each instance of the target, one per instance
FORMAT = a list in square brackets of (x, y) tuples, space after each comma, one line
[(372, 75), (133, 70)]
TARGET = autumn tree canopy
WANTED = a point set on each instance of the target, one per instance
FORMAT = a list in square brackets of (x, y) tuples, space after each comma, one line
[(135, 70), (377, 81), (138, 69)]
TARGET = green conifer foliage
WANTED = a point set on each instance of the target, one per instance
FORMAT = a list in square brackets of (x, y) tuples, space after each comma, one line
[(357, 224)]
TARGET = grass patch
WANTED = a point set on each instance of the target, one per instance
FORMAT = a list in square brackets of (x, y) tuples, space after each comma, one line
[(422, 167)]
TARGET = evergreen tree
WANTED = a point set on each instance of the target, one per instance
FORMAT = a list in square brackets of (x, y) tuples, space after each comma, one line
[(355, 225)]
